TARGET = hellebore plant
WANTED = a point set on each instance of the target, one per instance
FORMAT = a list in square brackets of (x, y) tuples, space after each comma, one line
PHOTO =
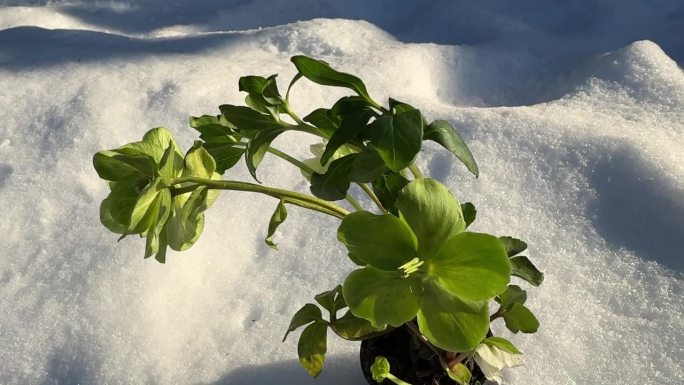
[(418, 266)]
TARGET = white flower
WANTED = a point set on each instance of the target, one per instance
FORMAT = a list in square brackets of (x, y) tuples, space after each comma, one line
[(492, 360)]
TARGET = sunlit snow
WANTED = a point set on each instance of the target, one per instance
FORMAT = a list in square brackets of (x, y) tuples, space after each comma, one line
[(575, 113)]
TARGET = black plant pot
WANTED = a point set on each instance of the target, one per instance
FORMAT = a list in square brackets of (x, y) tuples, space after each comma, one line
[(409, 359)]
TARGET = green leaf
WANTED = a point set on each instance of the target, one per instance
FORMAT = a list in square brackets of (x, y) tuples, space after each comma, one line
[(312, 347), (397, 138), (198, 162), (382, 297), (445, 134), (307, 314), (383, 241), (328, 299), (350, 127), (155, 240), (333, 185), (469, 213), (398, 107), (122, 199), (348, 104), (460, 373), (473, 266), (146, 208), (513, 294), (267, 88), (520, 319), (450, 322), (212, 130), (521, 267), (278, 217), (108, 220), (513, 246), (320, 72), (323, 120), (367, 167), (154, 143), (225, 155), (112, 165), (353, 328), (432, 212), (171, 164), (257, 147), (187, 221), (246, 120), (380, 369), (502, 344), (387, 188)]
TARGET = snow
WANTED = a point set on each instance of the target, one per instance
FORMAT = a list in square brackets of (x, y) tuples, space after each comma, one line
[(575, 113)]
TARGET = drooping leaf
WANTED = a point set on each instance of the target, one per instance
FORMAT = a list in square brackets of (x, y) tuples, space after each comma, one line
[(171, 163), (513, 294), (350, 127), (257, 147), (382, 297), (432, 212), (367, 167), (146, 208), (398, 107), (383, 241), (320, 72), (445, 134), (469, 213), (522, 267), (387, 188), (513, 246), (278, 217), (312, 346), (108, 220), (333, 185), (472, 266), (122, 199), (353, 328), (502, 344), (397, 138), (307, 314), (156, 240), (187, 220), (460, 373), (348, 104), (518, 318), (450, 322)]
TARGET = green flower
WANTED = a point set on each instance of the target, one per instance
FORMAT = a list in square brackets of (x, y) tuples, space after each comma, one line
[(139, 175), (422, 264)]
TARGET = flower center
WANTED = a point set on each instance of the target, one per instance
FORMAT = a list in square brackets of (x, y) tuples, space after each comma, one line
[(411, 266)]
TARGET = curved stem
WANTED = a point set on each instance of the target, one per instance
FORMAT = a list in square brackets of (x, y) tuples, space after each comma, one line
[(298, 199), (372, 196), (353, 202)]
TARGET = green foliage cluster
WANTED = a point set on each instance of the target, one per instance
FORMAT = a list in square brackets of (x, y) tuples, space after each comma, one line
[(418, 266)]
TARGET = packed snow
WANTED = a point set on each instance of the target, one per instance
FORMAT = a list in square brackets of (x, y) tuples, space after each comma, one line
[(575, 113)]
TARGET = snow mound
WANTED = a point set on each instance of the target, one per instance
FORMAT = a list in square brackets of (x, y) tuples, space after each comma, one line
[(587, 168)]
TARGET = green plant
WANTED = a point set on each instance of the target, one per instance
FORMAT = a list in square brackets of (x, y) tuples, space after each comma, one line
[(418, 267)]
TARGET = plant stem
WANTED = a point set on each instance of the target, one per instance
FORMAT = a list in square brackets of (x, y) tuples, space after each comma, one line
[(396, 380), (415, 171), (414, 329), (353, 202), (372, 196), (497, 314), (295, 198)]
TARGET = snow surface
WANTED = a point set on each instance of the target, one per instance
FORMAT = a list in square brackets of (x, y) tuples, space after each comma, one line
[(575, 112)]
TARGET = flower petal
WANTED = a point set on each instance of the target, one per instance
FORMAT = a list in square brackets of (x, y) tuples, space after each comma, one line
[(382, 297), (382, 241), (472, 266), (432, 212), (449, 322)]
